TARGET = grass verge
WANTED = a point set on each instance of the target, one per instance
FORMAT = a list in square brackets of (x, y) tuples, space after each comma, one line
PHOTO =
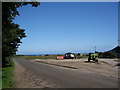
[(57, 65), (7, 75), (0, 78)]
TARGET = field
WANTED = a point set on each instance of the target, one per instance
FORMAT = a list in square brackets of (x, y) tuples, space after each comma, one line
[(41, 57), (37, 57)]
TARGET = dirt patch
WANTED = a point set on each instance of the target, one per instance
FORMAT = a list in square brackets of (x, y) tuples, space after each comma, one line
[(26, 79)]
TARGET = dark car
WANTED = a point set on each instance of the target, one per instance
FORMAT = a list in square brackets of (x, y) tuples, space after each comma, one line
[(69, 56)]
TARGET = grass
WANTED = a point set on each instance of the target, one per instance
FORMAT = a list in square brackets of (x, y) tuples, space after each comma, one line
[(7, 75), (43, 57), (37, 57), (0, 78)]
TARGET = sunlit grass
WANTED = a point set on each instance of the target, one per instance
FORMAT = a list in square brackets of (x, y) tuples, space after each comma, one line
[(0, 78), (7, 77), (7, 74)]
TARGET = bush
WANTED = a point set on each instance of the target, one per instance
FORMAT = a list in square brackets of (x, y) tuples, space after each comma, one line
[(9, 62)]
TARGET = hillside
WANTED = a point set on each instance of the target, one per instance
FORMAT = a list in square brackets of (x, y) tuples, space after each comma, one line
[(116, 51)]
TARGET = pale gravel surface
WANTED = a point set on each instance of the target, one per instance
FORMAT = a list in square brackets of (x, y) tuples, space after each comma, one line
[(25, 79), (105, 67)]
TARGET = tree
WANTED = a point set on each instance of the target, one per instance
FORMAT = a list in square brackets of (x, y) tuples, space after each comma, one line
[(11, 33)]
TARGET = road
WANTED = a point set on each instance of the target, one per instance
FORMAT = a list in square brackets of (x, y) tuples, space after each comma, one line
[(68, 78)]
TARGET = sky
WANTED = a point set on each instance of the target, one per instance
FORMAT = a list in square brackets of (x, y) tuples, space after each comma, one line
[(61, 27)]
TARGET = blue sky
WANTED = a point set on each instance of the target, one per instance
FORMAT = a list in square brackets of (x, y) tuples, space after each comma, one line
[(60, 27)]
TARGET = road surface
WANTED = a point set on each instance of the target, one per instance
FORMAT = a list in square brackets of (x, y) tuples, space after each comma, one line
[(68, 78)]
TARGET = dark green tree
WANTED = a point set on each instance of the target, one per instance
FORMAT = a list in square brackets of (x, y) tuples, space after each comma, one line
[(11, 33)]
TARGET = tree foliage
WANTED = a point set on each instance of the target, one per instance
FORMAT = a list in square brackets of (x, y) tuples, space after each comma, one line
[(11, 33)]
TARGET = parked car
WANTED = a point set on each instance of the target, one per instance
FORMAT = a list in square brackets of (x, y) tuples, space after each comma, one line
[(69, 56)]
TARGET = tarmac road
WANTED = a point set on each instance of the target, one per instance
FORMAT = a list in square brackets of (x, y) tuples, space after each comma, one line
[(67, 77)]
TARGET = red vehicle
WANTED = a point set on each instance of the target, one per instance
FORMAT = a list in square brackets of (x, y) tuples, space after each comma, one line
[(60, 57)]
